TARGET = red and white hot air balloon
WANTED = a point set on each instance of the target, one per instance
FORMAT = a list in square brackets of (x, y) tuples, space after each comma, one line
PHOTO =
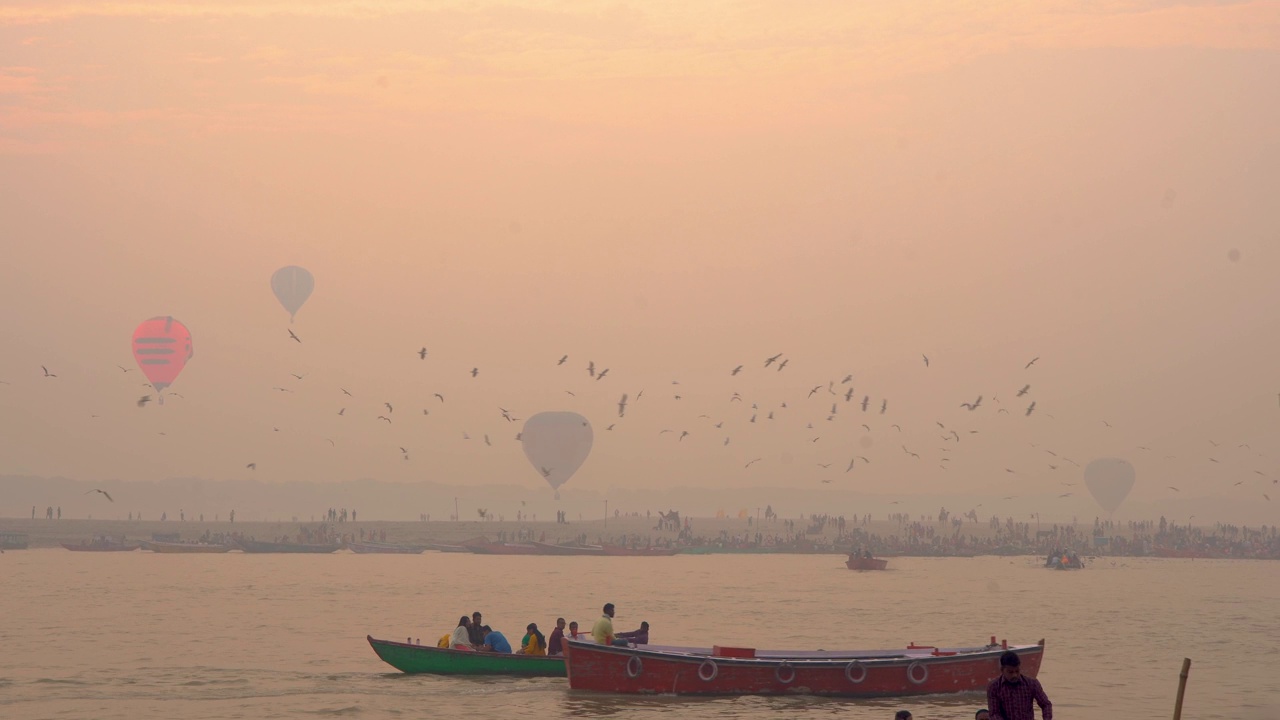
[(162, 347)]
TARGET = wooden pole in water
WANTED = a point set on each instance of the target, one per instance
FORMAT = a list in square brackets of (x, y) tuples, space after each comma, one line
[(1182, 688)]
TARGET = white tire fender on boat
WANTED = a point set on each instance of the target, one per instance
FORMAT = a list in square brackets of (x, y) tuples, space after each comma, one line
[(785, 673), (855, 672), (635, 666), (917, 679), (708, 670)]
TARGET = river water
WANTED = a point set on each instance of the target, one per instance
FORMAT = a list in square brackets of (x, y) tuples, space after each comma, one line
[(141, 636)]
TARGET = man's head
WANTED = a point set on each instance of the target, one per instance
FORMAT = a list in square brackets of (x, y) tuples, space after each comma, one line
[(902, 715), (533, 627), (1010, 666), (560, 623), (644, 626), (573, 628), (982, 714), (608, 609), (485, 630), (475, 617)]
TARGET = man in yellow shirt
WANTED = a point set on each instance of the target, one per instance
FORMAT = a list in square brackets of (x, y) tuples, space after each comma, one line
[(602, 631)]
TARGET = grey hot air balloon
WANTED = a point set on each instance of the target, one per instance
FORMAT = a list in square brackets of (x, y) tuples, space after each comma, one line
[(556, 443), (292, 286), (1109, 481)]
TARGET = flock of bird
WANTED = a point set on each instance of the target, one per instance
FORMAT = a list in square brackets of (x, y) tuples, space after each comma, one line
[(819, 410)]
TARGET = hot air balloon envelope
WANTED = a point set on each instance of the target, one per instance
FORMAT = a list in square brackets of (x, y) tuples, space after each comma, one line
[(1109, 481), (292, 286), (556, 443), (162, 347)]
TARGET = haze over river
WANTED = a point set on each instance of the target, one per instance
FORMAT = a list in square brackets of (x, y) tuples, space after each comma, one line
[(144, 636)]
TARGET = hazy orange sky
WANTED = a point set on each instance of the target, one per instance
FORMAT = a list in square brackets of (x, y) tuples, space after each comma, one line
[(668, 190)]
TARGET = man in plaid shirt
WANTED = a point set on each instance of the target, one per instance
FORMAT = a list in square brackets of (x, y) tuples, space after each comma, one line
[(1009, 696)]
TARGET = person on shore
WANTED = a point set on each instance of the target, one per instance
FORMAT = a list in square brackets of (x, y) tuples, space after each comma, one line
[(495, 641), (555, 643), (902, 715), (535, 643), (477, 629), (639, 637), (1009, 696), (602, 631), (461, 638)]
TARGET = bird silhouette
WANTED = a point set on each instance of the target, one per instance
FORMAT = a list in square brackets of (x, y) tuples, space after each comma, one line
[(866, 400), (1024, 390), (422, 354), (438, 395), (782, 364), (926, 360), (736, 370), (345, 392), (475, 372), (563, 359), (252, 466), (1173, 488), (591, 368), (753, 462), (104, 494), (772, 360), (47, 373), (884, 406), (973, 405), (384, 417), (1031, 408), (142, 401), (124, 369), (1033, 362), (342, 411), (295, 338)]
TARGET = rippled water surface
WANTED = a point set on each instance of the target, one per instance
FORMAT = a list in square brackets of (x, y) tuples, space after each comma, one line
[(141, 636)]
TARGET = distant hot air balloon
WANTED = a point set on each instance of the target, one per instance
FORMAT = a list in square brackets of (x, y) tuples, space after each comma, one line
[(162, 347), (556, 443), (1109, 481), (292, 286)]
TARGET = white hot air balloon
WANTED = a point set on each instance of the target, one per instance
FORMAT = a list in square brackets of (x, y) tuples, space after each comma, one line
[(556, 443), (1109, 481), (292, 286)]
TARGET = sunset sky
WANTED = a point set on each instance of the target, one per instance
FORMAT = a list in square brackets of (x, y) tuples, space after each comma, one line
[(670, 190)]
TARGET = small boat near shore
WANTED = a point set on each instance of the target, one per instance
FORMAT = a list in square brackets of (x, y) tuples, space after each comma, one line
[(258, 546), (549, 549), (916, 670), (862, 562), (431, 660), (99, 546), (621, 551), (505, 549), (380, 548), (184, 548)]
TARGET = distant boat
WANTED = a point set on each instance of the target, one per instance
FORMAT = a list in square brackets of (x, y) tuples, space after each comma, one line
[(442, 547), (256, 546), (378, 548), (100, 546), (549, 549), (505, 549), (622, 551), (185, 548), (432, 660), (859, 562)]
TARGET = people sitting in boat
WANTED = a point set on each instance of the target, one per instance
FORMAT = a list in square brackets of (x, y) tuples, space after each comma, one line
[(494, 641), (637, 637), (555, 643), (461, 638), (477, 636), (534, 642), (602, 631), (573, 631)]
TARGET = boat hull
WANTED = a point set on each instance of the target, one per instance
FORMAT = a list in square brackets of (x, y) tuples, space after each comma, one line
[(888, 673), (619, 551), (253, 546), (385, 549), (865, 563), (186, 548), (549, 549), (423, 659), (100, 548), (505, 549)]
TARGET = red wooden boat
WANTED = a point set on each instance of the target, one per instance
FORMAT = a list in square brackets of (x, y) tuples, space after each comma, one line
[(858, 562), (916, 670)]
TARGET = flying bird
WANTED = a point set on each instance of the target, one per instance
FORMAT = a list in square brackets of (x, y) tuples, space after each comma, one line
[(343, 411), (142, 401), (1033, 362), (296, 375), (591, 368), (1173, 488), (783, 364), (847, 379), (899, 427), (736, 370), (46, 372), (486, 440), (1031, 408), (439, 396), (884, 406), (1025, 389), (475, 372), (866, 400), (600, 375), (848, 395), (563, 359), (104, 494), (293, 337), (973, 405), (815, 389), (122, 369), (683, 435), (345, 392), (252, 466), (388, 407), (384, 417), (926, 360), (753, 462), (772, 360), (422, 354)]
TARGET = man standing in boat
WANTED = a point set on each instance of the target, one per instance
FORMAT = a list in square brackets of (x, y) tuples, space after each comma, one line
[(1010, 695)]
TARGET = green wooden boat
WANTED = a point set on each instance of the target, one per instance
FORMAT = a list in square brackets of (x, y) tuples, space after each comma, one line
[(432, 660)]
